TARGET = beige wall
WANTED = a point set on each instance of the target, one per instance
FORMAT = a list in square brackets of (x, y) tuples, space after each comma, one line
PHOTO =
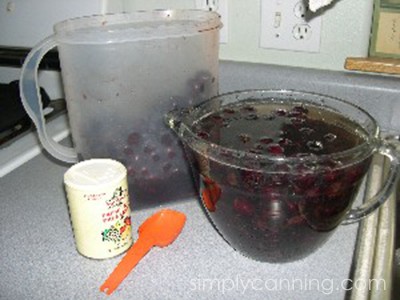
[(345, 32)]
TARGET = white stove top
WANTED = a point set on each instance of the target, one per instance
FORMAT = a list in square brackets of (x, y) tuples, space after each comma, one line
[(27, 146)]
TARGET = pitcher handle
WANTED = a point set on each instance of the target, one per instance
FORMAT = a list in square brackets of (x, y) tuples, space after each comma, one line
[(356, 214), (32, 101)]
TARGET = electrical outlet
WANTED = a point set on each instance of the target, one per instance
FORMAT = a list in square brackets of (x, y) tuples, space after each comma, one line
[(221, 7), (286, 26), (302, 32), (300, 10)]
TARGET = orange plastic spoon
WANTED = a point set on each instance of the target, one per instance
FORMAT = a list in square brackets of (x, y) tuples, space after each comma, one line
[(161, 229)]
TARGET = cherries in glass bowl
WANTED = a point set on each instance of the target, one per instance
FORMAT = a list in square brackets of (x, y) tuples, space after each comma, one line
[(278, 171)]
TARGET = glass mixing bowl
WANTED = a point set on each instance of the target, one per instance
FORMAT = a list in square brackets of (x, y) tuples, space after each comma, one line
[(271, 177)]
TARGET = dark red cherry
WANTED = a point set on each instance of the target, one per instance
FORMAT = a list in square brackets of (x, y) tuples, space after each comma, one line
[(243, 206), (134, 138), (281, 112), (229, 111), (203, 135), (275, 149)]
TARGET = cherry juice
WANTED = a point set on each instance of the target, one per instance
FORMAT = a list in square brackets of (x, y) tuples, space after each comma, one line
[(300, 190)]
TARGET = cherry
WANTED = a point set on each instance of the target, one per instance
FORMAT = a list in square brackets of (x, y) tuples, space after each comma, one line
[(314, 192), (134, 138), (281, 112), (355, 173), (297, 121), (248, 108), (171, 153), (252, 180), (300, 109), (296, 220), (203, 135), (285, 142), (334, 189), (304, 179), (331, 175), (231, 179), (293, 207), (217, 119), (275, 149), (167, 167), (243, 206), (330, 137), (271, 193), (229, 111), (148, 149), (128, 151)]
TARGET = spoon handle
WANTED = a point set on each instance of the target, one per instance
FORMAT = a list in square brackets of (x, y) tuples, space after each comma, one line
[(127, 263)]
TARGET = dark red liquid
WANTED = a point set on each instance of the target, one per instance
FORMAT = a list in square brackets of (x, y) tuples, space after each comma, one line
[(285, 211)]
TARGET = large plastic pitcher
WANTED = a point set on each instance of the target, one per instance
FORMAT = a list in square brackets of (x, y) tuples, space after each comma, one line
[(121, 73)]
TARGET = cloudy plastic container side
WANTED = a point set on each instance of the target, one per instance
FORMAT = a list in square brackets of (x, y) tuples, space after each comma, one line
[(121, 73)]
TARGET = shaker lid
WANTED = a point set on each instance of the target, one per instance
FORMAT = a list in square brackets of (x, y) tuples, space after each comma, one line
[(95, 172)]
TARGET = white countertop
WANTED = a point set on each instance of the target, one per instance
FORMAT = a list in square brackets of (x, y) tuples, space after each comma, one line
[(39, 259)]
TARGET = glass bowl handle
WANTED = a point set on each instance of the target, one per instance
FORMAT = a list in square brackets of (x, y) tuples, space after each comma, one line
[(358, 213)]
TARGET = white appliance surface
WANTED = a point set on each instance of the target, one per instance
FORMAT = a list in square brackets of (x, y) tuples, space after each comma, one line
[(23, 24), (24, 148)]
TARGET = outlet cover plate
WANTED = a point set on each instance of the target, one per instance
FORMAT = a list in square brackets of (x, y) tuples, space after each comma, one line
[(284, 27)]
